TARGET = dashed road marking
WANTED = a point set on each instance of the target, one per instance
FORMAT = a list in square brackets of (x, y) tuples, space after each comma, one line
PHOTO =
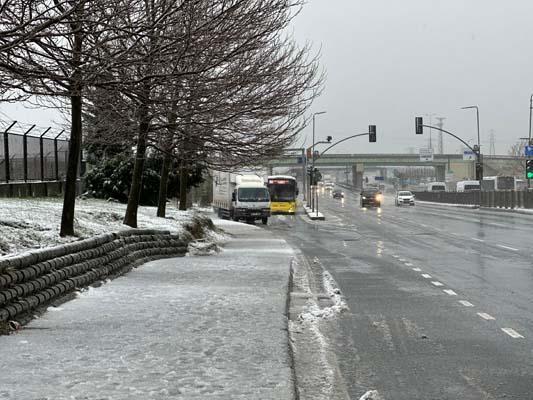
[(408, 264), (437, 283), (466, 303), (395, 256), (417, 270), (478, 240), (506, 247), (450, 292), (511, 332), (486, 316), (402, 259), (427, 276)]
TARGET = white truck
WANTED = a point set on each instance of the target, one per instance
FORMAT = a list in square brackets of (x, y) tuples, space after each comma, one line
[(240, 197)]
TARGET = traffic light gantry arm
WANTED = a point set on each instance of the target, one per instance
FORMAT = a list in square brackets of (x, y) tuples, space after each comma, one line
[(343, 140), (455, 136)]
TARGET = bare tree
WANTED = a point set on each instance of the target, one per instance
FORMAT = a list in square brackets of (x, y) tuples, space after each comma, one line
[(54, 51)]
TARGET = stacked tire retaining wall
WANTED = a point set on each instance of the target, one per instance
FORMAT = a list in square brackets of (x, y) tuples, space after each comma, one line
[(32, 281)]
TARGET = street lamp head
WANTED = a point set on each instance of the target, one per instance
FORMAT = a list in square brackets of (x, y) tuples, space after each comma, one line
[(467, 107), (318, 113)]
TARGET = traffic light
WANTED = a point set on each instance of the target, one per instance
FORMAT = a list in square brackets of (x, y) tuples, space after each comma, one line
[(372, 133), (529, 169), (329, 138), (479, 171), (419, 125), (317, 176)]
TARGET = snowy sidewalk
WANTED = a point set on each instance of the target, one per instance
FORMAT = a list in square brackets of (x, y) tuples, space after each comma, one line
[(211, 327)]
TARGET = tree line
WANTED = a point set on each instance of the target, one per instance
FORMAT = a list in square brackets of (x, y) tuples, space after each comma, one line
[(210, 83)]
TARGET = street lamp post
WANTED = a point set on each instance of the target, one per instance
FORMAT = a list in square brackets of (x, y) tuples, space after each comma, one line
[(311, 186), (478, 153), (530, 108), (529, 136)]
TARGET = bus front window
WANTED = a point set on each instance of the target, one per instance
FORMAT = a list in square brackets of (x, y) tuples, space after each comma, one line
[(282, 192)]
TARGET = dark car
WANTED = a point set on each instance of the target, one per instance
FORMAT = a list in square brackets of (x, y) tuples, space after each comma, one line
[(337, 194), (371, 197)]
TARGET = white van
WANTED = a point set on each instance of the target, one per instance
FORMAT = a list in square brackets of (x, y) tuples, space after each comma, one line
[(436, 187), (467, 186)]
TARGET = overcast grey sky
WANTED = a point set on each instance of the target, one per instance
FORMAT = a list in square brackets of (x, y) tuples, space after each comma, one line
[(388, 61)]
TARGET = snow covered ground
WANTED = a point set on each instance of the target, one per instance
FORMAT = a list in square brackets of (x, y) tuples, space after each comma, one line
[(210, 327), (27, 224)]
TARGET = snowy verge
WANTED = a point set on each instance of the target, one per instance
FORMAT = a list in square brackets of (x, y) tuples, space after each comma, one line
[(517, 210), (434, 203), (28, 224)]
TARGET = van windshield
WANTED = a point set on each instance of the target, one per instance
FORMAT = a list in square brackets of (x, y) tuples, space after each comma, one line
[(253, 194), (438, 187)]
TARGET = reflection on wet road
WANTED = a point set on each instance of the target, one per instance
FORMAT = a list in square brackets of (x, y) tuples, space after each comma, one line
[(440, 298)]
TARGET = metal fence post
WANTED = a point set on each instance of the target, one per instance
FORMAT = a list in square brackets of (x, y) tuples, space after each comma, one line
[(25, 152), (41, 148), (6, 150), (56, 155)]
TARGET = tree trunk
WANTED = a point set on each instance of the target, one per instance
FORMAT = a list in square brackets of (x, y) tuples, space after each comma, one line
[(183, 187), (134, 196), (69, 199), (163, 185)]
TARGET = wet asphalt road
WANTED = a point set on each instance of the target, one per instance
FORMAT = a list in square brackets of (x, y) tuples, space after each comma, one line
[(440, 299)]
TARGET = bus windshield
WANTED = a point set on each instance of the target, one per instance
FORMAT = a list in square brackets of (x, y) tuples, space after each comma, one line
[(253, 194), (282, 190)]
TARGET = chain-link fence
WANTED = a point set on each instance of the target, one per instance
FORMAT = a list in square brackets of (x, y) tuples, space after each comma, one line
[(28, 153)]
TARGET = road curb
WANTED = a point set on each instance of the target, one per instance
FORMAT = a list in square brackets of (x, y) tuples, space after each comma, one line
[(314, 215)]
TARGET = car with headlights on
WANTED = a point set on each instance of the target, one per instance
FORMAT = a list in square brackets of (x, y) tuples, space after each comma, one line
[(404, 197), (337, 194), (371, 197)]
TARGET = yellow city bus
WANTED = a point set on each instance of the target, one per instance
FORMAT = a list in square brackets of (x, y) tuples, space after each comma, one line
[(283, 192)]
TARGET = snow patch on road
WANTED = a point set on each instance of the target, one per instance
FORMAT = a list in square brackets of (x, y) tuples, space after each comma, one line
[(316, 366), (371, 395)]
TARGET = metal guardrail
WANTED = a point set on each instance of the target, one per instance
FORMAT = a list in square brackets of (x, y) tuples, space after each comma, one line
[(494, 199)]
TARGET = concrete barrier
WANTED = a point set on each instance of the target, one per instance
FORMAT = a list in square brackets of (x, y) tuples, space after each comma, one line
[(32, 281)]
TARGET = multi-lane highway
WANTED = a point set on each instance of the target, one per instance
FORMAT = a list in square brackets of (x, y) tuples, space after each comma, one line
[(440, 298)]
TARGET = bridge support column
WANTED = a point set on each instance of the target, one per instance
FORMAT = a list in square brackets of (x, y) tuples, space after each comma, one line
[(357, 175), (440, 173)]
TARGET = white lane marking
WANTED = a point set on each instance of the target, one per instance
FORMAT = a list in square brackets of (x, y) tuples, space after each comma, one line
[(450, 292), (402, 259), (417, 270), (478, 240), (486, 316), (511, 332), (495, 224), (506, 247), (466, 303), (437, 283), (407, 264), (344, 243), (395, 256), (427, 276)]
